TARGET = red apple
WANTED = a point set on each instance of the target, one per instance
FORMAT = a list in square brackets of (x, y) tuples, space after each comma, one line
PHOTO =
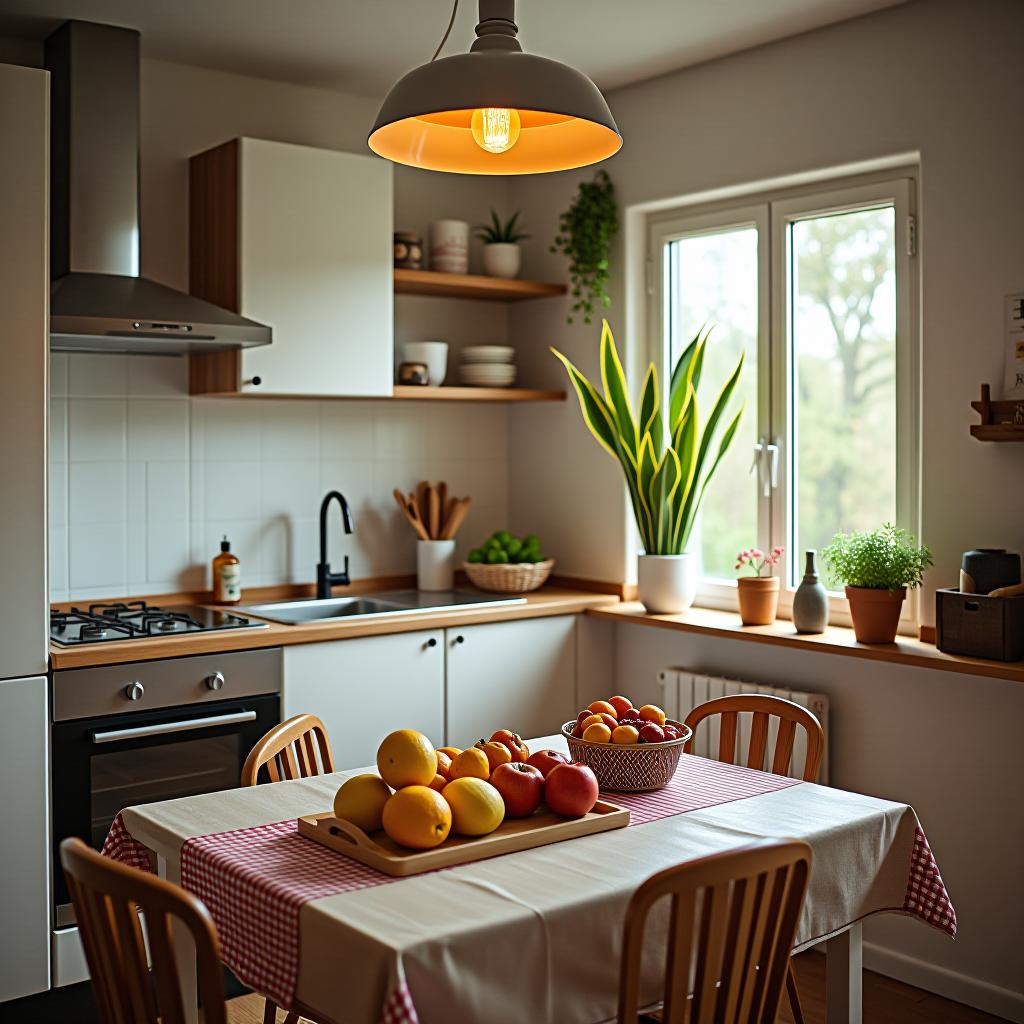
[(672, 733), (652, 733), (610, 720), (577, 731), (585, 713), (545, 760), (521, 787), (571, 789)]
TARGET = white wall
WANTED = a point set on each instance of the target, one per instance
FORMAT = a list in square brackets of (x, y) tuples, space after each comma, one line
[(938, 77)]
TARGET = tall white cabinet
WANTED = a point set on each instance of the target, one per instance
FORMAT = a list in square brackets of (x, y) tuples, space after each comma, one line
[(299, 239), (24, 603)]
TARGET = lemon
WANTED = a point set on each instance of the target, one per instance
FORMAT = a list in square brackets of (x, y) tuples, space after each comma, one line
[(361, 800), (477, 807), (471, 764), (406, 758), (417, 817)]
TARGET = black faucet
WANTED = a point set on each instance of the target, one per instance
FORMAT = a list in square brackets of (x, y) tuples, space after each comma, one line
[(325, 579)]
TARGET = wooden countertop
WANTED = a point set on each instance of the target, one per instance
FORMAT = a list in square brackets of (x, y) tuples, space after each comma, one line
[(835, 640), (548, 601)]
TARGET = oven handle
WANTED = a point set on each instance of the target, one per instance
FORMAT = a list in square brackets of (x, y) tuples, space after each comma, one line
[(163, 728)]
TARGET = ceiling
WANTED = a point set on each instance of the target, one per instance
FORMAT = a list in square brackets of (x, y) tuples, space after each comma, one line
[(362, 46)]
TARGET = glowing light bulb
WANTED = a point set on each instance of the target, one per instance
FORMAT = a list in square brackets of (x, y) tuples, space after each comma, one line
[(495, 129)]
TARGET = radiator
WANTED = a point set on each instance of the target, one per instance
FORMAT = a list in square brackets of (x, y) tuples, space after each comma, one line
[(683, 690)]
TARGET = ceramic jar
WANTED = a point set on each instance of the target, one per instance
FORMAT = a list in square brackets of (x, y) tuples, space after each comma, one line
[(408, 250), (991, 568), (758, 598), (810, 603), (433, 354), (667, 583), (449, 246)]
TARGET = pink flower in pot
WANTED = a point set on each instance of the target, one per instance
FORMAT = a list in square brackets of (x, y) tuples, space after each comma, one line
[(758, 594)]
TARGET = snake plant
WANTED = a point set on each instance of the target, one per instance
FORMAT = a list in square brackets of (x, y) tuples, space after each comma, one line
[(666, 482)]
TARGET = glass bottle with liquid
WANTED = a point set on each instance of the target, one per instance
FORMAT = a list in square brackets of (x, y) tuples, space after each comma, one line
[(227, 574)]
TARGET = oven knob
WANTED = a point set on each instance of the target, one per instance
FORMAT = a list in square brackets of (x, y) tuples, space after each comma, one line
[(134, 691), (215, 682)]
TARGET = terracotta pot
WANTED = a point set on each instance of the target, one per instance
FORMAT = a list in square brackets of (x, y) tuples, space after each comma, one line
[(759, 599), (875, 613)]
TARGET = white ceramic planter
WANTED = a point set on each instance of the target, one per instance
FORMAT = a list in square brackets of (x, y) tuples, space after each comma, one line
[(667, 583), (435, 564), (502, 259)]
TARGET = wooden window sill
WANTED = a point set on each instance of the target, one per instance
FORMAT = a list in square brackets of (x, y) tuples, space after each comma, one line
[(835, 640)]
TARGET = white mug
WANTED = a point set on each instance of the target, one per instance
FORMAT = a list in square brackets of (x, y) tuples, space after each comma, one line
[(449, 246), (435, 564), (433, 353)]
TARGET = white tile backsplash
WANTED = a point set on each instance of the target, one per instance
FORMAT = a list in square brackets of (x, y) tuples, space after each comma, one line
[(145, 481)]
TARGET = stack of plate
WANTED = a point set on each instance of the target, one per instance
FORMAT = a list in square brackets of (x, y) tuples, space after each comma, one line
[(488, 366)]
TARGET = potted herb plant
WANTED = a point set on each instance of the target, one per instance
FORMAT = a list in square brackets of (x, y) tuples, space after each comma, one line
[(502, 255), (758, 594), (585, 234), (666, 482), (876, 567)]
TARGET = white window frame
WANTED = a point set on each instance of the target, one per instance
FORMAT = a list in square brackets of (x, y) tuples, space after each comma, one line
[(772, 214)]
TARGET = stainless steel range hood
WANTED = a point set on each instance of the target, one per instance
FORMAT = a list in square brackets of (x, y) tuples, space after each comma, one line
[(98, 303)]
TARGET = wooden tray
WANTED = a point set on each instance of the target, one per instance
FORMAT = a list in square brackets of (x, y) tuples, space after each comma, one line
[(513, 834)]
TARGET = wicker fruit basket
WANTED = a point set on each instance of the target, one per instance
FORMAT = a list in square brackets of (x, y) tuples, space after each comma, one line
[(518, 578), (629, 769)]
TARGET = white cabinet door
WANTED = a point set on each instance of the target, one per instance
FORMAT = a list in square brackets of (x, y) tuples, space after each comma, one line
[(511, 675), (365, 688), (24, 796), (315, 264)]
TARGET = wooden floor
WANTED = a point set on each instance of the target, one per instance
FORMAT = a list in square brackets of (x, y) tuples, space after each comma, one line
[(885, 1001)]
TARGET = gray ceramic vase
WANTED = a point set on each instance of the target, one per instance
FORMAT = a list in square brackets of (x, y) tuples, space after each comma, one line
[(810, 603)]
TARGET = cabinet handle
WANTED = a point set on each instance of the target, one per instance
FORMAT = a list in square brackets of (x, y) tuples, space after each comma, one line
[(432, 642), (460, 639), (255, 381)]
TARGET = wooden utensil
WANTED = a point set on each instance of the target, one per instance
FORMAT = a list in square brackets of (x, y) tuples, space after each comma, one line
[(417, 515), (433, 513), (414, 522), (422, 502), (455, 520), (442, 498)]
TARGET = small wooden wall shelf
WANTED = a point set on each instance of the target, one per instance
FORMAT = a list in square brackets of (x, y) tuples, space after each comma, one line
[(1000, 421), (472, 286), (403, 393)]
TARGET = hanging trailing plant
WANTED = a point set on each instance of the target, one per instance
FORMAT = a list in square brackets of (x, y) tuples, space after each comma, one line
[(585, 234)]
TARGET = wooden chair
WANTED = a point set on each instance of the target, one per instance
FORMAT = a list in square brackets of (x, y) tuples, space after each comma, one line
[(733, 919), (763, 707), (290, 751), (790, 715), (107, 897)]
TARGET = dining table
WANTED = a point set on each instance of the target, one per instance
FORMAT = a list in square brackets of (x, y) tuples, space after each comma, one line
[(525, 937)]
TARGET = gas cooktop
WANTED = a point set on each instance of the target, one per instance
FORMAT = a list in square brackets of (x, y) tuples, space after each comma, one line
[(136, 620)]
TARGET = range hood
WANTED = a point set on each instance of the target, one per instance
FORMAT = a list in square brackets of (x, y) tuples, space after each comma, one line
[(98, 302)]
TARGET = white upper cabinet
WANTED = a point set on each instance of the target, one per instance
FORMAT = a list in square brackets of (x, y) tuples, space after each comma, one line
[(299, 239)]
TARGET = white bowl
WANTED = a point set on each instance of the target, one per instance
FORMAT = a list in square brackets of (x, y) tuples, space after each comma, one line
[(488, 354), (488, 377)]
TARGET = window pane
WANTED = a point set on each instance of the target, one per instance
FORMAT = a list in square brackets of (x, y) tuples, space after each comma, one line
[(843, 387), (714, 280)]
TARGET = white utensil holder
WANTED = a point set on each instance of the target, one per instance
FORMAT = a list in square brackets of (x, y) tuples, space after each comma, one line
[(435, 564)]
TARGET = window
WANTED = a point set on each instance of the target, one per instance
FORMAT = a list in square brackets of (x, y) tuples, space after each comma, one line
[(816, 289)]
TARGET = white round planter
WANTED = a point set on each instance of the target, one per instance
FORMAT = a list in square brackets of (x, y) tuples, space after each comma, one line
[(502, 259), (667, 583)]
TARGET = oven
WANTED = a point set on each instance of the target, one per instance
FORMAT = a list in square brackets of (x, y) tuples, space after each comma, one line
[(145, 731)]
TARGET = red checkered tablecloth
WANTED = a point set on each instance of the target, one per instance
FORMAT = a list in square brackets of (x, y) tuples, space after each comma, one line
[(256, 880)]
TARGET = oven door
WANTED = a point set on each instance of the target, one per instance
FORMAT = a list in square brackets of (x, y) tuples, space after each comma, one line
[(101, 765)]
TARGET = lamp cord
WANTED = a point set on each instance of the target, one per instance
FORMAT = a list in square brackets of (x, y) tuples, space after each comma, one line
[(447, 31)]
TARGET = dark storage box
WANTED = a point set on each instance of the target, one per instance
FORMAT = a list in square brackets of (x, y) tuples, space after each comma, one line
[(979, 626)]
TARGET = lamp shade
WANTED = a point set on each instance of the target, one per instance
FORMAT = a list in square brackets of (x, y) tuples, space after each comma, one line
[(427, 119)]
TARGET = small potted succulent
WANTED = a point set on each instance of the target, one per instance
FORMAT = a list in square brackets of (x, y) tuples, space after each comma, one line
[(758, 594), (876, 567), (502, 255)]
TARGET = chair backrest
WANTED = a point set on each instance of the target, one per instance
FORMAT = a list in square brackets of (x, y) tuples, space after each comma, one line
[(107, 897), (763, 707), (732, 923), (290, 751)]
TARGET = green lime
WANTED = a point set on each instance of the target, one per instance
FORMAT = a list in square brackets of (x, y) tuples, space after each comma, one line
[(531, 540), (476, 555), (492, 544), (503, 537), (513, 547), (495, 556)]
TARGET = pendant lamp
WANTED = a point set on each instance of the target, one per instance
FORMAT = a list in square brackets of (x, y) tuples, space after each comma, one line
[(495, 110)]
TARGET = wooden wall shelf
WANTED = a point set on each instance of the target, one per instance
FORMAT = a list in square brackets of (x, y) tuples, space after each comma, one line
[(472, 286), (1000, 421), (403, 393)]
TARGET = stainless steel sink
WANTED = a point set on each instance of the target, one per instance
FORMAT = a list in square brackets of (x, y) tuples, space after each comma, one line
[(393, 602)]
